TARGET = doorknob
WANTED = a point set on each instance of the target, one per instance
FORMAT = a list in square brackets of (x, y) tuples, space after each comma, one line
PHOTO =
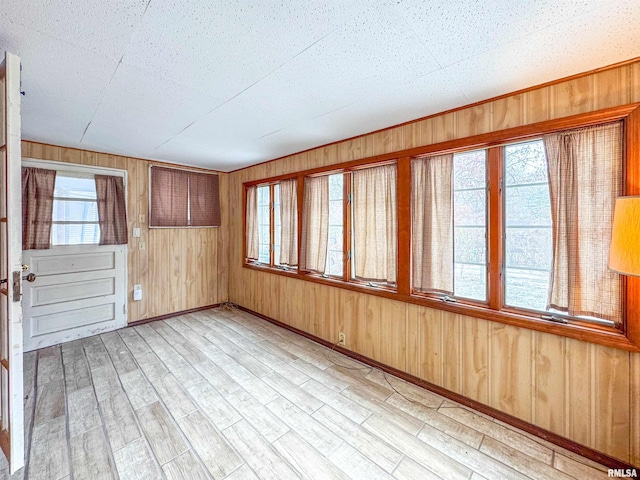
[(30, 278)]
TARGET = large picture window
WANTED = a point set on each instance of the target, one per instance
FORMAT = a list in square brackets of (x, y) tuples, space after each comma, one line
[(558, 195)]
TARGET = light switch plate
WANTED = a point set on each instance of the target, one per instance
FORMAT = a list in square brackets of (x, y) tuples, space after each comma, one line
[(142, 246)]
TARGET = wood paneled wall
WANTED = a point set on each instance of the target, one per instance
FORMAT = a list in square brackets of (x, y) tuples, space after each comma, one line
[(585, 392), (179, 268)]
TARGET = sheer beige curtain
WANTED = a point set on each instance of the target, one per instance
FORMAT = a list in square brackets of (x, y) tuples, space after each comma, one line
[(315, 224), (585, 177), (112, 210), (432, 224), (37, 207), (375, 223), (169, 197), (289, 222), (252, 223)]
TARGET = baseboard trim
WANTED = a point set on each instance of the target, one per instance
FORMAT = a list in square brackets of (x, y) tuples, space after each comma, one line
[(547, 435), (171, 315)]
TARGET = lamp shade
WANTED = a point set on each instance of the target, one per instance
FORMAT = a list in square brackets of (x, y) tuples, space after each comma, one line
[(624, 255)]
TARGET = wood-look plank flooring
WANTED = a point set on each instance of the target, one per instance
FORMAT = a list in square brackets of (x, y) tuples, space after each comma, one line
[(222, 394)]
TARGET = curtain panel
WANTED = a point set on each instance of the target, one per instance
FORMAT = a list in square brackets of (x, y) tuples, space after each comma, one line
[(585, 176), (169, 197), (112, 210), (375, 223), (204, 200), (289, 222), (315, 224), (38, 185), (432, 224)]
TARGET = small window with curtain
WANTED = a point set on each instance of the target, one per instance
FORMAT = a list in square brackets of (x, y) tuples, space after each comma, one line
[(449, 225), (559, 200), (272, 224), (364, 199), (72, 206), (183, 198)]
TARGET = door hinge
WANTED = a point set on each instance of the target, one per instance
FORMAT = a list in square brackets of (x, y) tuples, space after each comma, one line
[(17, 286)]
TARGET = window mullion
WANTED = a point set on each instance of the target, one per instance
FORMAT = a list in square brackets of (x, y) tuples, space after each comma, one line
[(272, 226), (346, 232), (495, 228), (404, 226), (300, 193)]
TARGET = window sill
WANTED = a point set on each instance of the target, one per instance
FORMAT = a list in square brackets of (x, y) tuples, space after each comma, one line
[(602, 335)]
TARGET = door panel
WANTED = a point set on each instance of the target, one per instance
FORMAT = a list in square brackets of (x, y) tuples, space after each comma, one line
[(78, 291), (11, 388)]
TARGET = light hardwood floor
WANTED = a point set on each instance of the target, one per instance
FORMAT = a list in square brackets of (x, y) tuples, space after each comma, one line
[(222, 394)]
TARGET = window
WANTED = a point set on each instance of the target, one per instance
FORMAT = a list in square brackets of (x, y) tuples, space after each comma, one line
[(272, 213), (557, 195), (182, 198), (75, 211), (449, 225), (470, 224), (527, 223), (365, 253), (510, 226), (72, 205), (335, 232), (264, 224)]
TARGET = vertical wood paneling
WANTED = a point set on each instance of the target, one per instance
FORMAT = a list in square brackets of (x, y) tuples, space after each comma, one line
[(510, 366), (179, 268), (576, 389), (221, 273), (475, 359), (430, 333), (634, 410), (451, 352), (612, 431), (549, 381)]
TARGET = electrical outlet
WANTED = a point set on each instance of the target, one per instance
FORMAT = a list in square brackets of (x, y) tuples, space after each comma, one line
[(341, 339)]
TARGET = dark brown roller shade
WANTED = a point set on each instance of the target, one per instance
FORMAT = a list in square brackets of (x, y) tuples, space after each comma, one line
[(169, 197), (204, 200)]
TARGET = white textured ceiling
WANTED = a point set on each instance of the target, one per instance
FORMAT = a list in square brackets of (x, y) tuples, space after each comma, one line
[(225, 84)]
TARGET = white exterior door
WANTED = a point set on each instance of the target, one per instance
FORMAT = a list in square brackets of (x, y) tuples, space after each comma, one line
[(78, 291), (11, 406)]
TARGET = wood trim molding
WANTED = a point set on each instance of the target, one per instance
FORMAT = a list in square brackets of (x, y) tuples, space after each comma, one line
[(171, 315), (482, 140), (452, 110), (160, 163), (542, 433)]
